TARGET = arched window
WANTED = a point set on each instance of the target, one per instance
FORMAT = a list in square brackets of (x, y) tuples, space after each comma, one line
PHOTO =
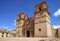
[(2, 34), (40, 8)]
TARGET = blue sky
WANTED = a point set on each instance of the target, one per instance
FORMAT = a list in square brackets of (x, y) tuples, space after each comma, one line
[(9, 9)]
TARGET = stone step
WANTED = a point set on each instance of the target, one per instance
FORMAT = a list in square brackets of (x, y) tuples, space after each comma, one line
[(28, 39)]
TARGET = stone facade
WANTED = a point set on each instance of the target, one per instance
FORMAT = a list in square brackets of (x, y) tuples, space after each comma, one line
[(38, 26), (24, 25)]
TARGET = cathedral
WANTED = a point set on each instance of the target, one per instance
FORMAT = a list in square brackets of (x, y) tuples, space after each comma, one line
[(37, 26)]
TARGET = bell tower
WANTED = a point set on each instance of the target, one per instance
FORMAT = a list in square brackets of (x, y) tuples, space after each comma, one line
[(20, 24), (42, 21)]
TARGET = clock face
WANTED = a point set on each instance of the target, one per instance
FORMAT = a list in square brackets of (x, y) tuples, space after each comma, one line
[(38, 14)]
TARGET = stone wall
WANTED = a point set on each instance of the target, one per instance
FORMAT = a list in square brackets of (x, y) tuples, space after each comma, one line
[(59, 33)]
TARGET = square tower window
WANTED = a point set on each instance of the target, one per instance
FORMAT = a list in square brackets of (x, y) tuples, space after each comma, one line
[(39, 29)]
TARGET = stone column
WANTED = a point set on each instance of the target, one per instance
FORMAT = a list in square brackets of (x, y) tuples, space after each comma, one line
[(30, 33), (25, 33)]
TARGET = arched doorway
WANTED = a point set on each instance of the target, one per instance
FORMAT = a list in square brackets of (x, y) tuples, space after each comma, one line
[(28, 33)]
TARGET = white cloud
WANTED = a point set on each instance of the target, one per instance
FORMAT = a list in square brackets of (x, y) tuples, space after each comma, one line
[(57, 13), (14, 22), (56, 26), (5, 27)]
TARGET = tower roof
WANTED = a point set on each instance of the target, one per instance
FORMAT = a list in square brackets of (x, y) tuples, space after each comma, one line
[(22, 13), (40, 4)]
